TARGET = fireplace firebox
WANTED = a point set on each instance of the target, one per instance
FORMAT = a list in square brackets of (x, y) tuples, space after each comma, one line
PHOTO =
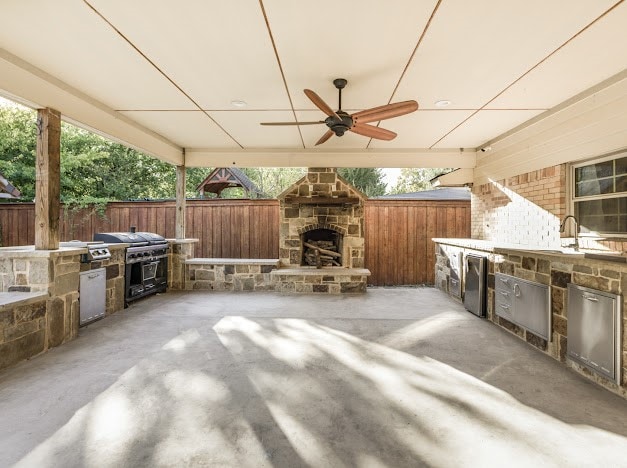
[(322, 248)]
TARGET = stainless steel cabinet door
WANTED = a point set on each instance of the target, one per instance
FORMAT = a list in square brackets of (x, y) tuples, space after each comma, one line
[(92, 295), (455, 278), (531, 307), (474, 292), (524, 303), (592, 329)]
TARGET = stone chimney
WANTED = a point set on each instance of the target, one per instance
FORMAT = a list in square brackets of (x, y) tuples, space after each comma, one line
[(322, 200)]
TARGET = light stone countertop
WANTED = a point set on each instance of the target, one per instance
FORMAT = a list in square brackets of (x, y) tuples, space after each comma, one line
[(564, 252), (500, 247), (232, 261), (182, 241), (311, 271), (28, 251), (21, 298)]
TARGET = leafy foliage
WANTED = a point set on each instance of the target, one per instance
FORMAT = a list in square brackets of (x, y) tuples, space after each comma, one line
[(416, 179), (367, 179), (92, 168), (18, 148), (274, 180)]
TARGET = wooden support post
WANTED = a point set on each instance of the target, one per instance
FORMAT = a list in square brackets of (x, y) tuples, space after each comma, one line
[(180, 202), (48, 180)]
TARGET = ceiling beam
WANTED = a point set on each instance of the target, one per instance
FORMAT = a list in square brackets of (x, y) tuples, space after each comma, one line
[(28, 85), (332, 158)]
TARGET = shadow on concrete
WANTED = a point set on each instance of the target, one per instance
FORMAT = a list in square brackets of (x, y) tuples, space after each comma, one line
[(178, 383)]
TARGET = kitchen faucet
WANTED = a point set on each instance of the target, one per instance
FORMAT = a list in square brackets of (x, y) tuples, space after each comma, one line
[(563, 226)]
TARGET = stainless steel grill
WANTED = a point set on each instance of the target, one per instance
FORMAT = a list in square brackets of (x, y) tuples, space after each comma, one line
[(146, 258)]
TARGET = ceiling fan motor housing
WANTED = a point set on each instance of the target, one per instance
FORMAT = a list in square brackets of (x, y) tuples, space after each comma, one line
[(341, 126)]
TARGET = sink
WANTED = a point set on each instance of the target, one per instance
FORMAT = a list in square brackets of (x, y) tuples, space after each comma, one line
[(607, 256)]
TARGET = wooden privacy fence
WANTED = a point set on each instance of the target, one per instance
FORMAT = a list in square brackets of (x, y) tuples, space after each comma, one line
[(225, 228), (399, 250)]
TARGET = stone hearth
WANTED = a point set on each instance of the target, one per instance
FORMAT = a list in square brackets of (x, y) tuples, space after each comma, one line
[(322, 200)]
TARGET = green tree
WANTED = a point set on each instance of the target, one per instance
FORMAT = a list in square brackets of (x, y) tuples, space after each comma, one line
[(193, 177), (18, 148), (416, 179), (92, 168), (367, 179), (274, 180)]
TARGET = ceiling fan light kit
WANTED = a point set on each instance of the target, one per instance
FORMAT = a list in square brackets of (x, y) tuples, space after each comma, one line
[(339, 122)]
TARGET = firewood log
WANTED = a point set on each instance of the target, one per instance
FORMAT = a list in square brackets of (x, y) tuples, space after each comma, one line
[(324, 251)]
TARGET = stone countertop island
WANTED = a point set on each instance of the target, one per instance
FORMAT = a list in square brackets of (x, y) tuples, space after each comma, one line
[(603, 271)]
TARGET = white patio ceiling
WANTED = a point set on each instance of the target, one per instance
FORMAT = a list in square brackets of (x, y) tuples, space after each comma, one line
[(162, 75)]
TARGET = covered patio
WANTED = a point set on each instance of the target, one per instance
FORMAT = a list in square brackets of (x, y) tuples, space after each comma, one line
[(526, 100), (397, 377)]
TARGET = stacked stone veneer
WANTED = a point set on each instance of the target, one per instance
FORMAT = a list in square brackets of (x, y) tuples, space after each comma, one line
[(29, 328), (524, 209), (298, 218), (179, 252), (24, 328), (217, 274), (555, 271), (326, 280)]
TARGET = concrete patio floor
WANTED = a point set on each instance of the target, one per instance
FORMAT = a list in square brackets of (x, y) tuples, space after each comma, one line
[(395, 377)]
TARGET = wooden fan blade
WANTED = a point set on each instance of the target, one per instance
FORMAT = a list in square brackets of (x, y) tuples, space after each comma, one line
[(385, 112), (325, 137), (373, 132), (293, 123), (320, 104)]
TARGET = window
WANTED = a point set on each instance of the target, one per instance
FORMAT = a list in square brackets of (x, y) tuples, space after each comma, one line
[(600, 195)]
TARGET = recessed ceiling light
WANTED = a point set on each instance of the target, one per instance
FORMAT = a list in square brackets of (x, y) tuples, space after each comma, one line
[(443, 103), (238, 103)]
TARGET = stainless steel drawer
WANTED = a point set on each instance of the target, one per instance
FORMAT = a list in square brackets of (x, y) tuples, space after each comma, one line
[(504, 310), (504, 296), (504, 282)]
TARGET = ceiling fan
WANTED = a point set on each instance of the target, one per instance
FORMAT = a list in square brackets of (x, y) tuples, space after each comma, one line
[(339, 121)]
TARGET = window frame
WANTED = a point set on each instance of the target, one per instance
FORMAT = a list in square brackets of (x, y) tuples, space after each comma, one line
[(572, 190)]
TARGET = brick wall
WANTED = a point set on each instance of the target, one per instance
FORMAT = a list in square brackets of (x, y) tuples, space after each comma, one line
[(525, 209)]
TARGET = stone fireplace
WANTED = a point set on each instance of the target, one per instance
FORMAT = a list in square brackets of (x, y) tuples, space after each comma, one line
[(324, 210)]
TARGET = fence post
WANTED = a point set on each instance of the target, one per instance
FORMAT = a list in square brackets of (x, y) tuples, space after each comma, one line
[(179, 229)]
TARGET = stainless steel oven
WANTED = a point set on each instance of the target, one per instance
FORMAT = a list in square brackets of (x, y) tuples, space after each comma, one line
[(146, 271)]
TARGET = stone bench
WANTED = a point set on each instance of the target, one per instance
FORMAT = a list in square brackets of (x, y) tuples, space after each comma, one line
[(331, 280), (23, 323), (230, 274), (251, 274)]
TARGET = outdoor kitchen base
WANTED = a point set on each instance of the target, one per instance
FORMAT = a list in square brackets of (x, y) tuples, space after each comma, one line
[(321, 280)]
